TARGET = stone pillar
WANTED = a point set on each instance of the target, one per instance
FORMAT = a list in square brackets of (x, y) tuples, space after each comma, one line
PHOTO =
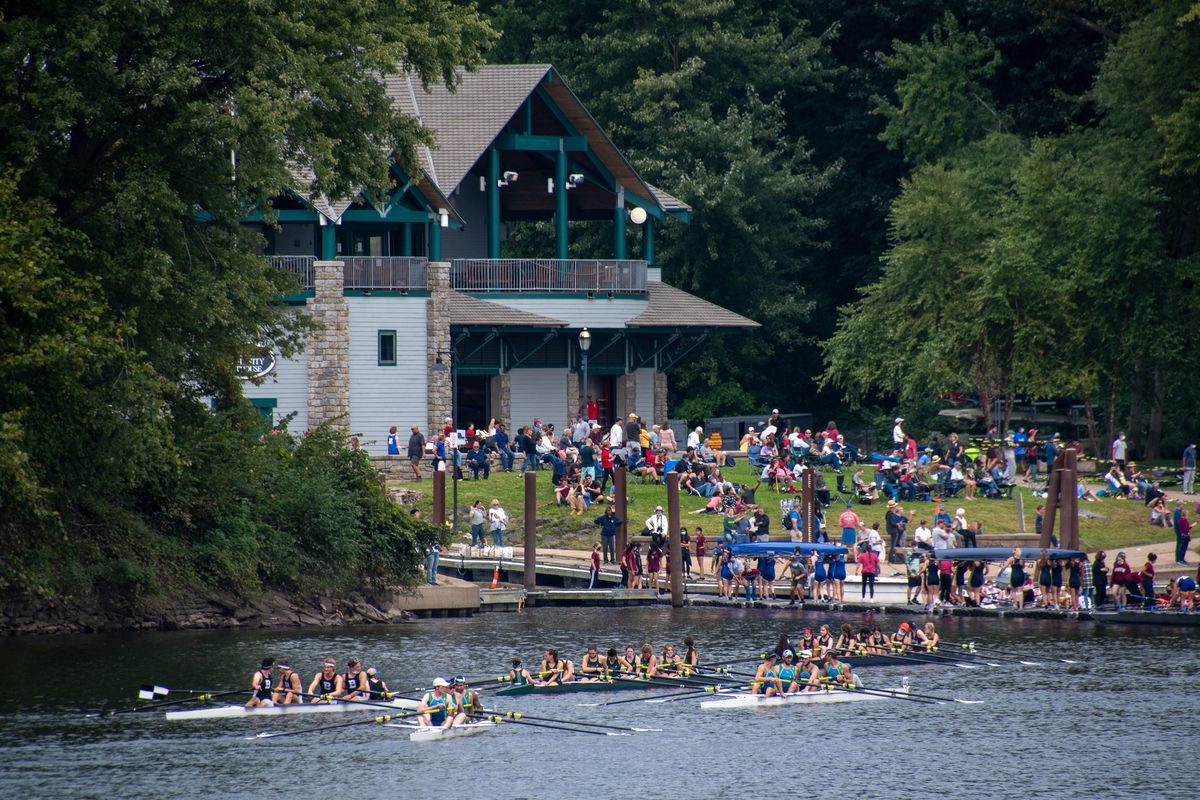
[(329, 350), (437, 316), (660, 397), (506, 403), (574, 401), (624, 396)]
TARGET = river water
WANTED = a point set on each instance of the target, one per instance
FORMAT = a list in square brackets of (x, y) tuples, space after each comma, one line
[(1123, 723)]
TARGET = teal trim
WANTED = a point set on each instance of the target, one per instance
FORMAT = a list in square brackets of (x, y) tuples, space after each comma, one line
[(528, 115), (601, 369), (406, 240), (619, 231), (328, 242), (560, 296), (296, 299), (493, 202), (648, 242), (286, 215), (560, 205), (395, 214), (479, 370), (385, 293), (265, 407), (385, 348), (542, 143), (435, 241)]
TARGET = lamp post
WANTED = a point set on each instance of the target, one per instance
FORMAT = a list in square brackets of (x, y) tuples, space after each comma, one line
[(585, 344)]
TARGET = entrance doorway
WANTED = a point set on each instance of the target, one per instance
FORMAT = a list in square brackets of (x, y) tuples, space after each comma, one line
[(474, 401), (603, 390)]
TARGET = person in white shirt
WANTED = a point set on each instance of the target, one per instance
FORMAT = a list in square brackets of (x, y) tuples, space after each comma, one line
[(769, 430), (657, 522), (898, 437), (498, 521), (1118, 450), (616, 439), (923, 536), (694, 437)]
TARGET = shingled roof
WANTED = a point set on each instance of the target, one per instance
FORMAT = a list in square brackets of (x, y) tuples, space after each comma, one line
[(669, 307), (466, 310)]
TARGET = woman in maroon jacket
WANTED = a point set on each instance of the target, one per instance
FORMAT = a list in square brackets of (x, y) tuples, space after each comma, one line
[(1121, 575)]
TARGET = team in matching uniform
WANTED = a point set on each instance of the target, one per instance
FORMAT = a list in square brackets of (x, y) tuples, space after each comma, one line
[(328, 685), (449, 704), (593, 667)]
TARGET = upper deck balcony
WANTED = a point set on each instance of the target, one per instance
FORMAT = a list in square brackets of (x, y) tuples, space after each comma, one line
[(535, 275), (363, 273)]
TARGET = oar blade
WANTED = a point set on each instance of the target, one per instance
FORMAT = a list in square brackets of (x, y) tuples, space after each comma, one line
[(969, 702)]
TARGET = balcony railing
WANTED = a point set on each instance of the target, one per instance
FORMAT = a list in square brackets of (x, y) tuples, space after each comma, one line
[(547, 275), (301, 266), (385, 273)]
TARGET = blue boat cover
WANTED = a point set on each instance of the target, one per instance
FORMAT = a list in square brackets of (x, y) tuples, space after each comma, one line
[(787, 548), (1003, 553)]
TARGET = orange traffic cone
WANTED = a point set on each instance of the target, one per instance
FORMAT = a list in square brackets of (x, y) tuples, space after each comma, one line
[(496, 576)]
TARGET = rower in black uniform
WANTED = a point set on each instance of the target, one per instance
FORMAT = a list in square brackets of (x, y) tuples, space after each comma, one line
[(261, 685), (288, 690), (355, 682), (375, 682), (327, 685)]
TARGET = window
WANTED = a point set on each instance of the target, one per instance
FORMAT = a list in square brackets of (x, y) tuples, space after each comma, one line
[(266, 408), (387, 348)]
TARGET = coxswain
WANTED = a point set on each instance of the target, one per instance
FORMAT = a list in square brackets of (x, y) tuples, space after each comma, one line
[(591, 666), (378, 689), (288, 690), (431, 712), (902, 639), (928, 638), (326, 685), (837, 672), (261, 685), (355, 682), (785, 675), (467, 705), (765, 676), (691, 658), (518, 675), (807, 642), (555, 670), (646, 665)]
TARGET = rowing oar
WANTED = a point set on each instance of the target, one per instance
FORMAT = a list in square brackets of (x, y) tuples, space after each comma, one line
[(514, 717), (373, 703), (972, 647), (199, 698), (371, 721), (517, 714), (923, 698), (694, 692), (758, 657)]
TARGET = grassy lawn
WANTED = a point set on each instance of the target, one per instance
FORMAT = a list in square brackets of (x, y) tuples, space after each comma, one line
[(1121, 523)]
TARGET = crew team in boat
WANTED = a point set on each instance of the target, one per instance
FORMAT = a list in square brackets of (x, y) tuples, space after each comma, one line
[(328, 685)]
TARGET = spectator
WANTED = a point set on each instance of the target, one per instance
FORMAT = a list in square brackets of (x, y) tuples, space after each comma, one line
[(923, 537), (416, 449), (477, 517), (849, 522), (1100, 579), (587, 460), (868, 564), (965, 532), (693, 439), (1118, 450), (1189, 469), (528, 447), (477, 461), (498, 519), (606, 464), (393, 442), (892, 524), (580, 431), (667, 439), (633, 436), (435, 551), (1183, 533), (656, 523), (943, 539), (899, 439), (502, 443)]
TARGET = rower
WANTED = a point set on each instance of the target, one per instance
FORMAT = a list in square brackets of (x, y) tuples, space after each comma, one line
[(467, 704), (326, 685), (518, 675), (808, 674), (431, 711), (691, 658), (765, 674), (355, 682), (825, 640), (591, 666), (612, 666), (928, 638), (668, 662), (629, 661), (902, 639), (378, 689), (837, 672), (878, 640), (556, 670), (785, 675), (646, 665), (289, 689), (261, 685)]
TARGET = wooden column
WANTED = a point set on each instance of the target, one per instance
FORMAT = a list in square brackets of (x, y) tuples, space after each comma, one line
[(530, 531), (622, 504), (808, 506), (673, 534), (439, 497), (1067, 489), (1052, 500)]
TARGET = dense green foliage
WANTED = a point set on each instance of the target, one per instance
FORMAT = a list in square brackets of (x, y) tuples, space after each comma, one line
[(122, 310)]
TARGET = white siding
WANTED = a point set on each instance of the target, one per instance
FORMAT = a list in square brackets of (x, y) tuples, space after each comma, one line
[(288, 385), (381, 397), (644, 379), (598, 313), (538, 393)]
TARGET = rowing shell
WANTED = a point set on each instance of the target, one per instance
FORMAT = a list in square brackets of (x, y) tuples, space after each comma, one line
[(746, 700), (614, 685), (438, 734), (231, 712)]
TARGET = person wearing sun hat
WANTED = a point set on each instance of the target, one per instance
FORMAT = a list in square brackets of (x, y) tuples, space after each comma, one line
[(467, 705), (433, 708)]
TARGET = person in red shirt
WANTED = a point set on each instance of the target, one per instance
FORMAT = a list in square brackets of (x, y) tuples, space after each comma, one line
[(1148, 582), (849, 522), (595, 565), (868, 564), (593, 410), (606, 464)]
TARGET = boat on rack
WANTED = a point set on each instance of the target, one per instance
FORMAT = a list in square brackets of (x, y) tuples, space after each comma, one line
[(826, 695), (418, 733), (234, 711)]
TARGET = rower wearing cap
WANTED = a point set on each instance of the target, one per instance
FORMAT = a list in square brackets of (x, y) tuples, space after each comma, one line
[(807, 642), (902, 639), (518, 675), (327, 684), (431, 712), (467, 704), (765, 676), (288, 690), (808, 674), (355, 681), (785, 675), (375, 683), (261, 685)]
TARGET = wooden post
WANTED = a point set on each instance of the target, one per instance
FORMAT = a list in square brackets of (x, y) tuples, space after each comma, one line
[(622, 504), (439, 496), (808, 506), (1020, 510), (1068, 490), (675, 545), (1051, 514), (530, 531)]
